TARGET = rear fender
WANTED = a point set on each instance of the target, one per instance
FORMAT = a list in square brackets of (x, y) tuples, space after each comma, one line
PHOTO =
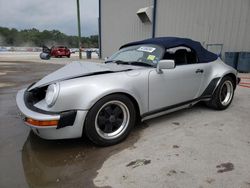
[(213, 76)]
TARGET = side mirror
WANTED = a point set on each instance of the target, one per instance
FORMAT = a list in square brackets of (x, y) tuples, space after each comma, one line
[(165, 64), (106, 58)]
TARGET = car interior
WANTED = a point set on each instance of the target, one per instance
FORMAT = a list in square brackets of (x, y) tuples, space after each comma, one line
[(181, 56)]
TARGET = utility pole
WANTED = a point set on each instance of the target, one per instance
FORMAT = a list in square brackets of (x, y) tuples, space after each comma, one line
[(79, 29)]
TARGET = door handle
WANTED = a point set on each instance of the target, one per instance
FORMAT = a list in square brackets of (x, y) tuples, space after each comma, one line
[(199, 71)]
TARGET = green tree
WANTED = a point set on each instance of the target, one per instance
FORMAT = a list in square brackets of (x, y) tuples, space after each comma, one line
[(34, 37)]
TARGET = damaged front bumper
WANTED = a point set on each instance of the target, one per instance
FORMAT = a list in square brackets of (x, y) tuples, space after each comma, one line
[(51, 125)]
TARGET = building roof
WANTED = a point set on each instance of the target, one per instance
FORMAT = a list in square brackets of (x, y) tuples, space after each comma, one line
[(203, 55)]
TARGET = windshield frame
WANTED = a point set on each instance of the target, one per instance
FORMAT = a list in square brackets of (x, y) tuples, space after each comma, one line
[(158, 47)]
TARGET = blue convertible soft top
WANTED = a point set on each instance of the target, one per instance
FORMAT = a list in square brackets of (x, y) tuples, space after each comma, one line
[(170, 42)]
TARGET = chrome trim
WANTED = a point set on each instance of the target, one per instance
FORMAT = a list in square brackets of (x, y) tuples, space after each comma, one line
[(123, 126), (225, 100)]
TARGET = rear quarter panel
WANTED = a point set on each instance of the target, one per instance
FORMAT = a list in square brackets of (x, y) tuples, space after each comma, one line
[(215, 69)]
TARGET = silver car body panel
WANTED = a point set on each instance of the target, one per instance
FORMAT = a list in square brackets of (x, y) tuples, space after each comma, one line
[(183, 83), (79, 69), (171, 85), (81, 93), (83, 84)]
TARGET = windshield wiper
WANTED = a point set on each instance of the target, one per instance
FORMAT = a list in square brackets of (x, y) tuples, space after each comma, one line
[(116, 61), (108, 61), (140, 63), (137, 63)]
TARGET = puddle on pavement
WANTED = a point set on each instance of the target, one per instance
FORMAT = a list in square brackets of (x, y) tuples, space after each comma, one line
[(176, 123), (210, 180), (138, 162), (67, 163), (171, 172), (225, 167), (176, 146)]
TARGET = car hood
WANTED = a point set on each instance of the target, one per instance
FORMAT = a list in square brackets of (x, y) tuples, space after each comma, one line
[(81, 69)]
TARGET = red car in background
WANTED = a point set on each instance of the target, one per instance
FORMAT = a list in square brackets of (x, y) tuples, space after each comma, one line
[(59, 51)]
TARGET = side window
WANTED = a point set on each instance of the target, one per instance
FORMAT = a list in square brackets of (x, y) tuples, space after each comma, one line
[(192, 57), (181, 55)]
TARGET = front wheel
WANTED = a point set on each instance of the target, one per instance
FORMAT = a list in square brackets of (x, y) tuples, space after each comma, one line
[(223, 95), (110, 120)]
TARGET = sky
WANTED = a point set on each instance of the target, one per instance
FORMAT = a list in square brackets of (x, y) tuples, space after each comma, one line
[(50, 14)]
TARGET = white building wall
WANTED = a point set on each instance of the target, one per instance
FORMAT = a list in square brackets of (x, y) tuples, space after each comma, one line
[(209, 21), (120, 24)]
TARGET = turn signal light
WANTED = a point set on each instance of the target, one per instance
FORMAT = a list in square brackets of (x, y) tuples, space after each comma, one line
[(41, 123)]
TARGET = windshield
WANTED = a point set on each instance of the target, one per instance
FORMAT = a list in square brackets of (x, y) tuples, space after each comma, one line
[(138, 55)]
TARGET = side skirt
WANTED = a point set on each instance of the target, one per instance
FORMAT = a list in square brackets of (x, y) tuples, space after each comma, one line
[(172, 108)]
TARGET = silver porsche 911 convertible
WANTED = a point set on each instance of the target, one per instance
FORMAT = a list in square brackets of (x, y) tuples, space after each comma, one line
[(144, 79)]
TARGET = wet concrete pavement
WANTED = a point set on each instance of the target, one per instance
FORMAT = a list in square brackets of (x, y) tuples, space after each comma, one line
[(12, 132), (196, 147)]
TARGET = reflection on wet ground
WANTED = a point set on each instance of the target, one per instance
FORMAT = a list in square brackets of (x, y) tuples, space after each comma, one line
[(66, 163)]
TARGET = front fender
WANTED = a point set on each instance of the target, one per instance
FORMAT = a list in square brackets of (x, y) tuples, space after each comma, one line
[(83, 93)]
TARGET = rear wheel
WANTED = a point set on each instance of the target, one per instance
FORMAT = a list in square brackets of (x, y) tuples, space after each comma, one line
[(110, 120), (223, 95)]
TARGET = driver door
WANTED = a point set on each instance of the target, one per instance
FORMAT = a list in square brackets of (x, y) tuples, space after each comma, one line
[(174, 86)]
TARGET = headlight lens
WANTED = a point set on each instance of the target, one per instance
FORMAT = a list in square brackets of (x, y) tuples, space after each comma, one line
[(52, 94)]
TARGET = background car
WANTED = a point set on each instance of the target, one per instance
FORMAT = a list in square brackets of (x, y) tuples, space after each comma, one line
[(144, 79), (60, 51)]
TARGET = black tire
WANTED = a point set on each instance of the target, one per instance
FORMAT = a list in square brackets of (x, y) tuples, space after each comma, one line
[(216, 102), (99, 113)]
